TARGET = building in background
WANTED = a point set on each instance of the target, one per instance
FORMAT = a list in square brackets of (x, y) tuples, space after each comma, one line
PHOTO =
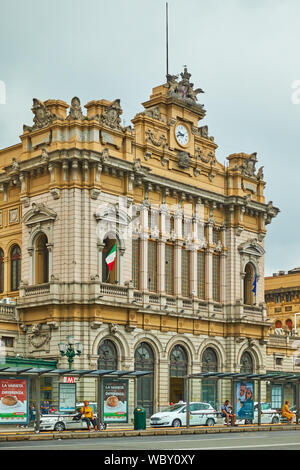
[(136, 241), (282, 296)]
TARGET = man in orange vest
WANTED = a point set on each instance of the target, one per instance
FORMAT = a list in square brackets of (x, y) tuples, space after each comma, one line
[(88, 416)]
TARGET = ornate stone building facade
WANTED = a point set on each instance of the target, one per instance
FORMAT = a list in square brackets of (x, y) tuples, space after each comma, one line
[(188, 233)]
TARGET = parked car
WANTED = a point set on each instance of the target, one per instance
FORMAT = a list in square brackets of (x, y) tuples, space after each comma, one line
[(63, 421), (269, 415), (175, 415)]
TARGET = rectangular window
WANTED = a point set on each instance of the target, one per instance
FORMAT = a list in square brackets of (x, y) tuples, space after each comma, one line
[(169, 269), (135, 262), (152, 266), (201, 274), (7, 341), (216, 236), (185, 273), (216, 278), (276, 396)]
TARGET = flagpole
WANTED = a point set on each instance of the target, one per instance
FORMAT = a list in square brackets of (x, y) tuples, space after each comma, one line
[(167, 40)]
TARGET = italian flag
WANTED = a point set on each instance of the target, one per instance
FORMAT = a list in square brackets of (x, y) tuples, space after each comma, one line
[(111, 257)]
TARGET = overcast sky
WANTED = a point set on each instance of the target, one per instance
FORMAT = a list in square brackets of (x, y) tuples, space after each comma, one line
[(245, 55)]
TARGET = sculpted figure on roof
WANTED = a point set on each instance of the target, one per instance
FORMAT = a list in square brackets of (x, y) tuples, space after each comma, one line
[(42, 116)]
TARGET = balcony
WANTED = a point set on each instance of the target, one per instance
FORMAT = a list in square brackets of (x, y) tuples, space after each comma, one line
[(8, 312), (114, 295)]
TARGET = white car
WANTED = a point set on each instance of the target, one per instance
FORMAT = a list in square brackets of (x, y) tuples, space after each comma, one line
[(62, 421), (268, 415), (175, 415)]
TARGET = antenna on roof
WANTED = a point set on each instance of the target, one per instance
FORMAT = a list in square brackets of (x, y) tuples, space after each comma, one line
[(167, 40)]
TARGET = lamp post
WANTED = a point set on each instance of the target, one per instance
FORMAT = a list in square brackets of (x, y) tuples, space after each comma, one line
[(69, 351)]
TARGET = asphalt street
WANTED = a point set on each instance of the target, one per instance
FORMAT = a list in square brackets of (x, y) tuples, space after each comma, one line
[(240, 441)]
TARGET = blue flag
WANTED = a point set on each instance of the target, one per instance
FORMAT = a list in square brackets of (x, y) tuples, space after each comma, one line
[(254, 284)]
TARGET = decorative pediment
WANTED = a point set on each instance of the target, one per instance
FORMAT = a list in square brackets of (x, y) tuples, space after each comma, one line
[(113, 214), (251, 248), (38, 213)]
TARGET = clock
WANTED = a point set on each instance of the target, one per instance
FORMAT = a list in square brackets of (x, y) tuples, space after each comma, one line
[(182, 134)]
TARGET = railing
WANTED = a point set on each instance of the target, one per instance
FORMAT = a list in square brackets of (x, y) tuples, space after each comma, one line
[(8, 312), (111, 289), (170, 301), (38, 289), (154, 299)]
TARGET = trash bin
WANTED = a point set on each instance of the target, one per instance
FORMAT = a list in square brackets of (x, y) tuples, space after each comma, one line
[(139, 418)]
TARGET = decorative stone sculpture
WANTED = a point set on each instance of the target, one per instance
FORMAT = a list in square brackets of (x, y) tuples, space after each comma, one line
[(183, 90), (111, 116), (42, 116), (75, 110), (183, 160)]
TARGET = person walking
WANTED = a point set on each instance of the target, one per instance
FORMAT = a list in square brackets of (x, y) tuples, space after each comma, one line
[(87, 415)]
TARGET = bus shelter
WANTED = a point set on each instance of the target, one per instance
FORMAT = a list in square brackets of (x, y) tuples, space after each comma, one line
[(234, 378), (36, 373)]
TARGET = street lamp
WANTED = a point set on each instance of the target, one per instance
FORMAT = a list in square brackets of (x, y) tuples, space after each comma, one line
[(69, 351)]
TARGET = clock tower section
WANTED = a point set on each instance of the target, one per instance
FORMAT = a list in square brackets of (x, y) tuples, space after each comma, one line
[(167, 132)]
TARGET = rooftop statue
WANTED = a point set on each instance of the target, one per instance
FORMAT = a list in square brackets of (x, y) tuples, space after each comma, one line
[(42, 116), (75, 110), (183, 89)]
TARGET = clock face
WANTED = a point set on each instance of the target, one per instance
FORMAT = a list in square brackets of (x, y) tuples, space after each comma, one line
[(182, 135)]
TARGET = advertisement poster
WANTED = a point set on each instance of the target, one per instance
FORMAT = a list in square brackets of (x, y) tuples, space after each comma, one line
[(67, 397), (245, 400), (115, 398), (13, 401)]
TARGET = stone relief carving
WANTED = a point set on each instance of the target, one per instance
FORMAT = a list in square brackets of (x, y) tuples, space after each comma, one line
[(111, 116), (161, 142), (205, 158), (75, 110), (184, 160), (44, 157), (248, 169), (42, 116), (39, 337), (155, 113)]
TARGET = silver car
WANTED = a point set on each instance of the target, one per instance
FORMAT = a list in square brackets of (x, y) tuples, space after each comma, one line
[(66, 421)]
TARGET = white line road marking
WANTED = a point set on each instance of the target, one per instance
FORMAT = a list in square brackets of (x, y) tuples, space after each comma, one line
[(243, 446)]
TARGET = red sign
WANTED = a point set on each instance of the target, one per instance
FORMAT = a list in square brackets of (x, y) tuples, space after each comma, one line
[(69, 380), (13, 400)]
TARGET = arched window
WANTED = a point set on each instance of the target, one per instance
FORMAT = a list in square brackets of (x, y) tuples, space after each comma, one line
[(289, 324), (248, 284), (144, 360), (178, 361), (246, 363), (107, 356), (110, 260), (1, 270), (209, 386), (15, 267), (41, 260), (178, 369), (209, 361)]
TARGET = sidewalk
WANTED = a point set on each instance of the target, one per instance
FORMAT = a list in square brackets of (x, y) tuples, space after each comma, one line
[(14, 433)]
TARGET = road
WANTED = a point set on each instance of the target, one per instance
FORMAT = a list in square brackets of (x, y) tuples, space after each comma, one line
[(288, 440)]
